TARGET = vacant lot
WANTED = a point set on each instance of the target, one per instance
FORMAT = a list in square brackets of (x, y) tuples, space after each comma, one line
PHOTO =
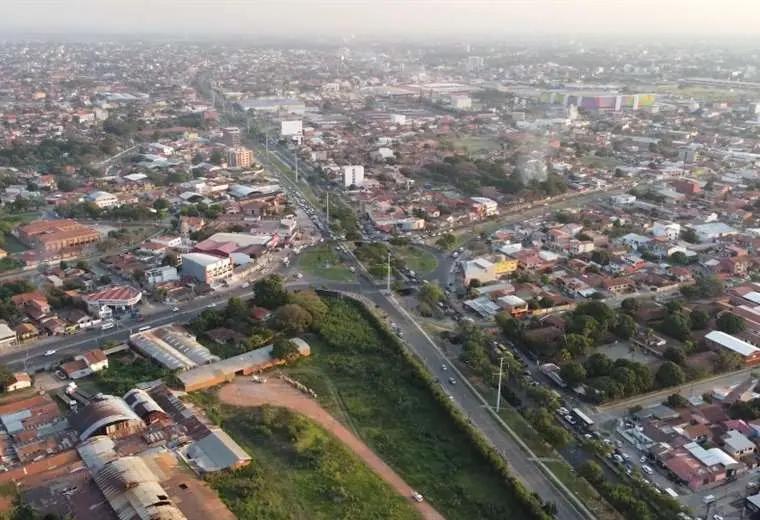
[(366, 382), (416, 259), (299, 471), (244, 392), (323, 262)]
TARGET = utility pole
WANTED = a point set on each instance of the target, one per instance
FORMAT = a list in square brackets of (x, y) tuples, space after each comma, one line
[(388, 278), (328, 211), (296, 166), (498, 394)]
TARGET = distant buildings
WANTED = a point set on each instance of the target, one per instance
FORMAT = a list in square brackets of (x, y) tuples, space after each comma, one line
[(353, 176), (102, 199), (231, 136), (54, 235), (165, 273), (119, 297), (485, 207), (291, 128)]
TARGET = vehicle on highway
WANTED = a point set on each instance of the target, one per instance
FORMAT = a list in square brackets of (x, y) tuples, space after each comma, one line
[(107, 325), (452, 381), (50, 352), (646, 469), (175, 309), (444, 368), (417, 497), (143, 329), (211, 305)]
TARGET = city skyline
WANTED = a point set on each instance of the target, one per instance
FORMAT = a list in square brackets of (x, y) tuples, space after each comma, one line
[(362, 18)]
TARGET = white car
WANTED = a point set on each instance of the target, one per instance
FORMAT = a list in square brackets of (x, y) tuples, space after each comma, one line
[(175, 309), (50, 352), (417, 497), (646, 469)]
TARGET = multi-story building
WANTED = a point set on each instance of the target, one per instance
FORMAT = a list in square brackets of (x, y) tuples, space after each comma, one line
[(165, 273), (291, 128), (102, 199), (53, 235), (231, 136), (484, 207), (239, 157), (206, 268), (353, 176)]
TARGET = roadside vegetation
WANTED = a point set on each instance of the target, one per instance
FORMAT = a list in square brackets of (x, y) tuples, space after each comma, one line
[(323, 262), (299, 471)]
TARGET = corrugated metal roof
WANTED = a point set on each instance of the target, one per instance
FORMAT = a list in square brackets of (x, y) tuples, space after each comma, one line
[(217, 451), (141, 403), (101, 412)]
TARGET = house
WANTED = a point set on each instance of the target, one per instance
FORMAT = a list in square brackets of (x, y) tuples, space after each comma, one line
[(7, 335), (78, 320), (737, 444), (26, 332), (85, 364), (32, 300), (260, 313), (18, 381)]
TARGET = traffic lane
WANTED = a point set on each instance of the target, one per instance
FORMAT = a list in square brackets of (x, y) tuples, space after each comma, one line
[(521, 466)]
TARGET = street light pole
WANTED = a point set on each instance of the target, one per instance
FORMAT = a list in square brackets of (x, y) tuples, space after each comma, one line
[(388, 278), (498, 394)]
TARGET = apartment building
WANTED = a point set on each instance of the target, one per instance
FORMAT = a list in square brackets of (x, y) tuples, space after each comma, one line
[(239, 157), (231, 136), (206, 268), (53, 235)]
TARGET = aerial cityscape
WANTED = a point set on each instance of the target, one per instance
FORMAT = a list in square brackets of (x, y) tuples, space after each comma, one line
[(321, 273)]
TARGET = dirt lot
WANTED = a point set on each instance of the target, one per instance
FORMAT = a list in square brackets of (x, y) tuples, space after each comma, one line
[(244, 392)]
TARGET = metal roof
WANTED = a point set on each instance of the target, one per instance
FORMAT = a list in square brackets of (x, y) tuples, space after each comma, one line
[(217, 451), (173, 348), (100, 412), (141, 403)]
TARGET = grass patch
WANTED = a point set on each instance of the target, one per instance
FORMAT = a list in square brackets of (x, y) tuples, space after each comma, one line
[(324, 263), (584, 490), (416, 259), (12, 244), (525, 431), (396, 414), (593, 161), (476, 144), (300, 471), (125, 372)]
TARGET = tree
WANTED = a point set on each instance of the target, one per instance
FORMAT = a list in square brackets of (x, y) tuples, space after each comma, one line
[(511, 327), (598, 365), (285, 350), (270, 292), (674, 354), (699, 319), (311, 302), (676, 401), (669, 374), (729, 361), (431, 293), (578, 344), (710, 287), (630, 305), (293, 318), (600, 256), (676, 326), (171, 259), (544, 397), (161, 205), (673, 306), (731, 323), (592, 472), (447, 241), (690, 236), (624, 327), (216, 157), (5, 375), (573, 374), (679, 258)]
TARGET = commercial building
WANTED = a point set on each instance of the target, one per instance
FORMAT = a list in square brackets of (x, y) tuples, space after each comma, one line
[(231, 136), (720, 340), (106, 415), (206, 268), (215, 452), (172, 347), (85, 364), (226, 369), (484, 206), (7, 335), (353, 176), (273, 105), (239, 157), (165, 273), (487, 270), (102, 199), (114, 298), (605, 101), (291, 128), (53, 235)]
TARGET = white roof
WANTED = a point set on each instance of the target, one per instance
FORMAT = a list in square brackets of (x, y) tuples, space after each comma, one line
[(483, 200), (711, 457), (753, 296), (736, 441), (202, 259), (6, 332), (135, 177), (512, 300), (732, 343)]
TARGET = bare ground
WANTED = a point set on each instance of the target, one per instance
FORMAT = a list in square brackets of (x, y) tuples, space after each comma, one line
[(244, 392)]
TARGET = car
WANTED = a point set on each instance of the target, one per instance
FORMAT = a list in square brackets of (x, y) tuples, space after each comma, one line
[(452, 381), (588, 436), (618, 458), (417, 497), (212, 305), (451, 397), (643, 460), (50, 352), (717, 517), (175, 309), (563, 411), (444, 368), (646, 469)]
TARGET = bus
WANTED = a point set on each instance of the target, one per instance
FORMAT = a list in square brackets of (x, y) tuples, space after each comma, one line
[(143, 329), (583, 419)]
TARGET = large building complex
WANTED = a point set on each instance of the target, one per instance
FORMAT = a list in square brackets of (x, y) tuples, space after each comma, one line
[(597, 100), (172, 347), (231, 136), (54, 235), (353, 176)]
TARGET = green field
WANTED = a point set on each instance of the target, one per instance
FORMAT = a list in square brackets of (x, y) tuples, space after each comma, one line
[(416, 259), (299, 471), (365, 380), (476, 144), (323, 262)]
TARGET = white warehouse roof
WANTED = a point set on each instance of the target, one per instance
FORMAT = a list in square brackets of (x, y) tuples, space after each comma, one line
[(732, 343)]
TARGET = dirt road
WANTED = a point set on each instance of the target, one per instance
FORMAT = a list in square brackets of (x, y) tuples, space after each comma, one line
[(244, 392)]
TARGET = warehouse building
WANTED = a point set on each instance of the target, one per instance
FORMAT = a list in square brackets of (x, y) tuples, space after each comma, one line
[(226, 369), (172, 347), (215, 452), (106, 415)]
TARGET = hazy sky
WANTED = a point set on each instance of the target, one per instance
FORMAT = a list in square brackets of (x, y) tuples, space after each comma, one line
[(494, 18)]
